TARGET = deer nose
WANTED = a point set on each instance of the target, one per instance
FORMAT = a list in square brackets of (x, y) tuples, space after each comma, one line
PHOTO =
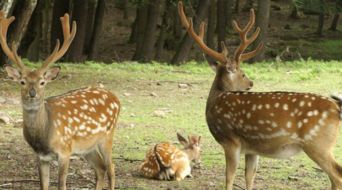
[(32, 93)]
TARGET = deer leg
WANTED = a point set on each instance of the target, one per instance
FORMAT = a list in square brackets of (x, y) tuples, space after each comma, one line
[(327, 162), (106, 152), (232, 154), (44, 174), (250, 169), (63, 165), (96, 161)]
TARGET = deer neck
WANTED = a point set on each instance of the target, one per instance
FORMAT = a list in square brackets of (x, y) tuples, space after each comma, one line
[(217, 88), (35, 120)]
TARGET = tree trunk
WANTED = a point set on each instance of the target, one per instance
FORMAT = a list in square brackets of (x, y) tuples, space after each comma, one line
[(229, 14), (248, 5), (79, 14), (221, 23), (60, 7), (321, 19), (186, 44), (211, 25), (134, 32), (125, 9), (23, 13), (150, 37), (334, 23), (141, 18), (92, 5), (162, 34), (98, 25), (177, 26), (237, 6), (262, 20), (6, 5)]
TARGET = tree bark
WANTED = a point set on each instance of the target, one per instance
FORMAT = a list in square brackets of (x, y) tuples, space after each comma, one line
[(6, 5), (60, 7), (237, 6), (221, 22), (17, 30), (98, 25), (248, 5), (229, 14), (134, 32), (187, 42), (92, 6), (162, 34), (150, 37), (125, 9), (334, 23), (211, 25), (141, 19), (321, 19), (262, 20), (79, 14), (177, 26)]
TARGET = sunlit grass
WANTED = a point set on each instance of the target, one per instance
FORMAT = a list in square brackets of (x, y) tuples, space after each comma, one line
[(139, 128)]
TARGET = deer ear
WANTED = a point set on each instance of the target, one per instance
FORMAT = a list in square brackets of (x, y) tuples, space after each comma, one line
[(52, 73), (13, 73), (212, 63), (182, 140)]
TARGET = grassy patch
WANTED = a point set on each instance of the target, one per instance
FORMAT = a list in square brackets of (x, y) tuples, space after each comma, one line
[(139, 129)]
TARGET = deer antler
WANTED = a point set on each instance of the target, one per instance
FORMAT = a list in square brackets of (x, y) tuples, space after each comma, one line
[(11, 53), (239, 56), (68, 37), (187, 23)]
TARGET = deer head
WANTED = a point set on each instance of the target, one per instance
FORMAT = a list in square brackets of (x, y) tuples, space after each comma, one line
[(229, 76), (33, 81), (191, 147)]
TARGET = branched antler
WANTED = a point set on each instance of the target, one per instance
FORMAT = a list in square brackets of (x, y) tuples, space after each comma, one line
[(239, 56), (187, 23), (68, 37)]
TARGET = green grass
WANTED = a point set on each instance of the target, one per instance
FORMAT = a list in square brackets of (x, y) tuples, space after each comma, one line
[(139, 129)]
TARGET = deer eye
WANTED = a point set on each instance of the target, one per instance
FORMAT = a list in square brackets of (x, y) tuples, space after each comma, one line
[(243, 75), (42, 83), (22, 82)]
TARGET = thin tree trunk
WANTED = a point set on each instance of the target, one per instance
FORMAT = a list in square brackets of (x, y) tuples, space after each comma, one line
[(248, 5), (229, 14), (237, 6), (23, 13), (162, 34), (79, 14), (211, 25), (221, 22), (141, 25), (134, 32), (177, 26), (125, 9), (321, 19), (186, 44), (150, 37), (6, 5), (262, 20), (98, 25), (92, 5), (334, 23), (60, 7)]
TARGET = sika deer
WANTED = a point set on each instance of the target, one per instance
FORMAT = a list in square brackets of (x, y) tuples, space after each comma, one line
[(272, 124), (165, 161), (81, 121)]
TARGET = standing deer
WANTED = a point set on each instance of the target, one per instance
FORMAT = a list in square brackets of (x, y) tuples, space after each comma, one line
[(272, 124), (80, 122), (165, 161)]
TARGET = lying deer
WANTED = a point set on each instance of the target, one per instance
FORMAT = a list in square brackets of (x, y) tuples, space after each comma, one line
[(80, 122), (272, 124), (165, 161)]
